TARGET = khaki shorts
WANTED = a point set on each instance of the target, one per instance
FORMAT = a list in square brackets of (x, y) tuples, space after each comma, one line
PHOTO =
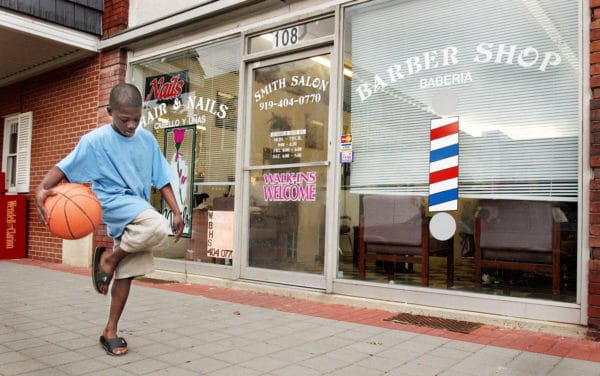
[(148, 232)]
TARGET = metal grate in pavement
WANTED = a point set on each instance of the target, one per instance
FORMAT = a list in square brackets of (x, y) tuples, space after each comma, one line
[(435, 322)]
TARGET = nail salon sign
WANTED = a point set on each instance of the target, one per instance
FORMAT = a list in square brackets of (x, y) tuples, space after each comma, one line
[(168, 104)]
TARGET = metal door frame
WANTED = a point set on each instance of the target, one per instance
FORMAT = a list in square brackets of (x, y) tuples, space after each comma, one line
[(316, 281)]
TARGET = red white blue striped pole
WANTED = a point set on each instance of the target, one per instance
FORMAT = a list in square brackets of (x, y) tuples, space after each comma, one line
[(443, 165)]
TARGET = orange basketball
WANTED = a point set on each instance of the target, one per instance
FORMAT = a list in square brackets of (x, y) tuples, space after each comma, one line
[(74, 211)]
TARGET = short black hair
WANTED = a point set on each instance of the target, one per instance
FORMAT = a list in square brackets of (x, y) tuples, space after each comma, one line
[(124, 95)]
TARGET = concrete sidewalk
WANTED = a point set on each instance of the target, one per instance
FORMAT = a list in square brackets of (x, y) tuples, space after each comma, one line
[(51, 318)]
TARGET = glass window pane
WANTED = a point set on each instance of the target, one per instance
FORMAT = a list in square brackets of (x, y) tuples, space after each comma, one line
[(195, 92), (12, 142), (290, 112), (514, 140), (287, 216), (516, 150), (11, 173)]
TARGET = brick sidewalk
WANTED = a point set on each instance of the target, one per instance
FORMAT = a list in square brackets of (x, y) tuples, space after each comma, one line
[(521, 340)]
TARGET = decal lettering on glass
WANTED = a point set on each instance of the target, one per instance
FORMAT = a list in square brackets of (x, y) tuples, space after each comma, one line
[(290, 186), (286, 37), (193, 110), (295, 81), (485, 53), (287, 144)]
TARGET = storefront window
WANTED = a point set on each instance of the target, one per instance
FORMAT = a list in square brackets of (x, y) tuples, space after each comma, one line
[(461, 133), (191, 105)]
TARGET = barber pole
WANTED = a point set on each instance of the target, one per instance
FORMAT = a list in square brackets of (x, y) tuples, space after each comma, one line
[(443, 165)]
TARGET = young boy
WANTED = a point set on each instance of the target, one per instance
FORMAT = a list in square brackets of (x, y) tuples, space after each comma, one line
[(122, 162)]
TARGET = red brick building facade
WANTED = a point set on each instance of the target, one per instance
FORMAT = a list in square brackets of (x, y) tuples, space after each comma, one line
[(594, 214), (67, 102)]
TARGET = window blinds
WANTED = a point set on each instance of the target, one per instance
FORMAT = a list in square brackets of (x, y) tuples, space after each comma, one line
[(514, 67), (220, 63)]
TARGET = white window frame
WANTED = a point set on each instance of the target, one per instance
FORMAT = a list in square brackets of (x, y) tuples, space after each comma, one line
[(24, 124)]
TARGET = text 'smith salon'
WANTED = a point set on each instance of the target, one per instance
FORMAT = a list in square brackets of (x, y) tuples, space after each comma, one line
[(423, 152)]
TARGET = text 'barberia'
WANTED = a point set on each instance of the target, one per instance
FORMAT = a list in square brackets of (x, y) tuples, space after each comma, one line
[(524, 57), (194, 110)]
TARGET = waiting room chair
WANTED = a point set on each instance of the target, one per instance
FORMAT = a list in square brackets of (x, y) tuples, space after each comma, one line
[(517, 235), (394, 229)]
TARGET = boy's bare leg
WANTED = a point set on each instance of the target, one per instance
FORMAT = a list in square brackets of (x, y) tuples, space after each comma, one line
[(109, 261), (119, 294)]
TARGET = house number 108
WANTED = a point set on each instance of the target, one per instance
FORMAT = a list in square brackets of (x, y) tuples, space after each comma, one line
[(286, 37)]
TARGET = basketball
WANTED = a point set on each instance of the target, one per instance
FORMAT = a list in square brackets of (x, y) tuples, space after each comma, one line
[(74, 211)]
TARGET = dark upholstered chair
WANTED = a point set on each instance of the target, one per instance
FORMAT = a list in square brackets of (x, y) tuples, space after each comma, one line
[(517, 235), (394, 229)]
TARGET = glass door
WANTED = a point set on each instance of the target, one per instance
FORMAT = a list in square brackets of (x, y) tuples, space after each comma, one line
[(287, 168)]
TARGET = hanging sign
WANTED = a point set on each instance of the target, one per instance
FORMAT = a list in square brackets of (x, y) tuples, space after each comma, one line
[(166, 87)]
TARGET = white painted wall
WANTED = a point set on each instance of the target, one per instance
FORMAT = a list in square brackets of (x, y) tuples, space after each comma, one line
[(78, 252), (144, 11)]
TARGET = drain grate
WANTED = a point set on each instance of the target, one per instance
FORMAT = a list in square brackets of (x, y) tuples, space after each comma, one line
[(435, 322)]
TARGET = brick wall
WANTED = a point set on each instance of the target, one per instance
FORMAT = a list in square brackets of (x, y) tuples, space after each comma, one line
[(116, 17), (594, 214), (64, 106)]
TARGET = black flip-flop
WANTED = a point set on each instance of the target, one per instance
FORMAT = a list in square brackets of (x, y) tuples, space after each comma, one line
[(99, 276), (109, 345)]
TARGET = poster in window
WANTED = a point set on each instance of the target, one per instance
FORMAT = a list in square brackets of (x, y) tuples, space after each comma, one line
[(179, 151), (220, 234)]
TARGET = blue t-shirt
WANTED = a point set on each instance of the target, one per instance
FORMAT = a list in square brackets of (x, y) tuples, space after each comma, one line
[(122, 171)]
